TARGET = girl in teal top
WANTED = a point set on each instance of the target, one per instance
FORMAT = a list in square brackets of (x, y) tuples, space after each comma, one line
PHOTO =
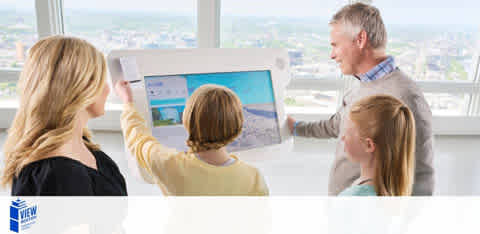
[(380, 136)]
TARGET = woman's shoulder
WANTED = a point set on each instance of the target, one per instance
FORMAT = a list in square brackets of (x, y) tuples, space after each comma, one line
[(52, 165), (49, 176)]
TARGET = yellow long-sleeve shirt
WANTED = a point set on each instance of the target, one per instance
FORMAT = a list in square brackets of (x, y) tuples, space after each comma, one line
[(180, 173)]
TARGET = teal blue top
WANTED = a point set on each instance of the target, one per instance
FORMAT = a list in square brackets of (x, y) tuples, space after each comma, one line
[(359, 190)]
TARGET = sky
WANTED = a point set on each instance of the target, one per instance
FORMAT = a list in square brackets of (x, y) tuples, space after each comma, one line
[(393, 11)]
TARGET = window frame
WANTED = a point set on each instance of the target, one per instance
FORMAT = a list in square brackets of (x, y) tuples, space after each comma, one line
[(49, 15)]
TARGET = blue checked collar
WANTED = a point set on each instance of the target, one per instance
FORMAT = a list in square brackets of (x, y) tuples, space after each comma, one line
[(382, 69)]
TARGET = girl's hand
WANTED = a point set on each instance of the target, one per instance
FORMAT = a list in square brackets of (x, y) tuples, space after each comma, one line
[(123, 90)]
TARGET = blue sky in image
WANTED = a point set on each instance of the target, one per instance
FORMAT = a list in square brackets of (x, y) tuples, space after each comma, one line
[(254, 87)]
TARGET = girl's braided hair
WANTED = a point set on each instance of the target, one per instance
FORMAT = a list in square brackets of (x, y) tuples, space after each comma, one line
[(213, 118)]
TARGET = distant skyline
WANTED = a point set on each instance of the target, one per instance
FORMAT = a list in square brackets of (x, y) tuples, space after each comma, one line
[(432, 12)]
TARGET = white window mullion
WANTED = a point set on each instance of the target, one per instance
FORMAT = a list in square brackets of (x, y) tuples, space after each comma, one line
[(474, 104), (447, 87), (49, 17), (208, 23), (316, 84), (347, 82)]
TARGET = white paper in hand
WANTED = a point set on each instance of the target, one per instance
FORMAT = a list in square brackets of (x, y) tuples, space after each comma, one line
[(129, 68)]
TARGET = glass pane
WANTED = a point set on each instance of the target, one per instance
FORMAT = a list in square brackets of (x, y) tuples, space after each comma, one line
[(447, 104), (141, 24), (18, 32), (311, 102), (438, 40), (299, 26), (8, 91)]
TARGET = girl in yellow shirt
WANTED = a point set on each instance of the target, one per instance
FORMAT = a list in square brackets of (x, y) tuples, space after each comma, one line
[(213, 118)]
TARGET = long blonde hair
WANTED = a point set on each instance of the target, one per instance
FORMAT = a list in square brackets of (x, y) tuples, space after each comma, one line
[(62, 76), (391, 126), (213, 118)]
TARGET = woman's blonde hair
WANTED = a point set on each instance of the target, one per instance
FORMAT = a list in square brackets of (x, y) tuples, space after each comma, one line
[(391, 126), (213, 118), (62, 76)]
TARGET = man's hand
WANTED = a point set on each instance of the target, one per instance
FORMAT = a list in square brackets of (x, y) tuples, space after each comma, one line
[(123, 90), (291, 123)]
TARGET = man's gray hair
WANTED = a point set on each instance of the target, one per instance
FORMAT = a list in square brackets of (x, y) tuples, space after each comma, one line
[(358, 16)]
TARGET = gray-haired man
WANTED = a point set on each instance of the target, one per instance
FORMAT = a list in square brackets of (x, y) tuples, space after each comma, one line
[(358, 39)]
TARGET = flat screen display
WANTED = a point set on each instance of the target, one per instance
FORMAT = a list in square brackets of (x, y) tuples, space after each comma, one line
[(167, 96)]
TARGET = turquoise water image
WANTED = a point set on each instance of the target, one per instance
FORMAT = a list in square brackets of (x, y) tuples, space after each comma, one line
[(168, 101), (252, 87), (167, 96)]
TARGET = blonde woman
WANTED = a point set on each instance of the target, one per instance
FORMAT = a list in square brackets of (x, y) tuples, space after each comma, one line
[(380, 136), (48, 150), (213, 118)]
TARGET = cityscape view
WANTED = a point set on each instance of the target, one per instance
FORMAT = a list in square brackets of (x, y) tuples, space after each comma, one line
[(425, 52)]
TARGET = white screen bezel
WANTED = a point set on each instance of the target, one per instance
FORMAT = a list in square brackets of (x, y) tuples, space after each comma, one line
[(200, 61)]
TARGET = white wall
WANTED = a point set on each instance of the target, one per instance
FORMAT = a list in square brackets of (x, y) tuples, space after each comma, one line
[(301, 167)]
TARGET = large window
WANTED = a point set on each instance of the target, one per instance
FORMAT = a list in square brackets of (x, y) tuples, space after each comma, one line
[(434, 52), (141, 24), (301, 27), (435, 42), (427, 45), (17, 34)]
